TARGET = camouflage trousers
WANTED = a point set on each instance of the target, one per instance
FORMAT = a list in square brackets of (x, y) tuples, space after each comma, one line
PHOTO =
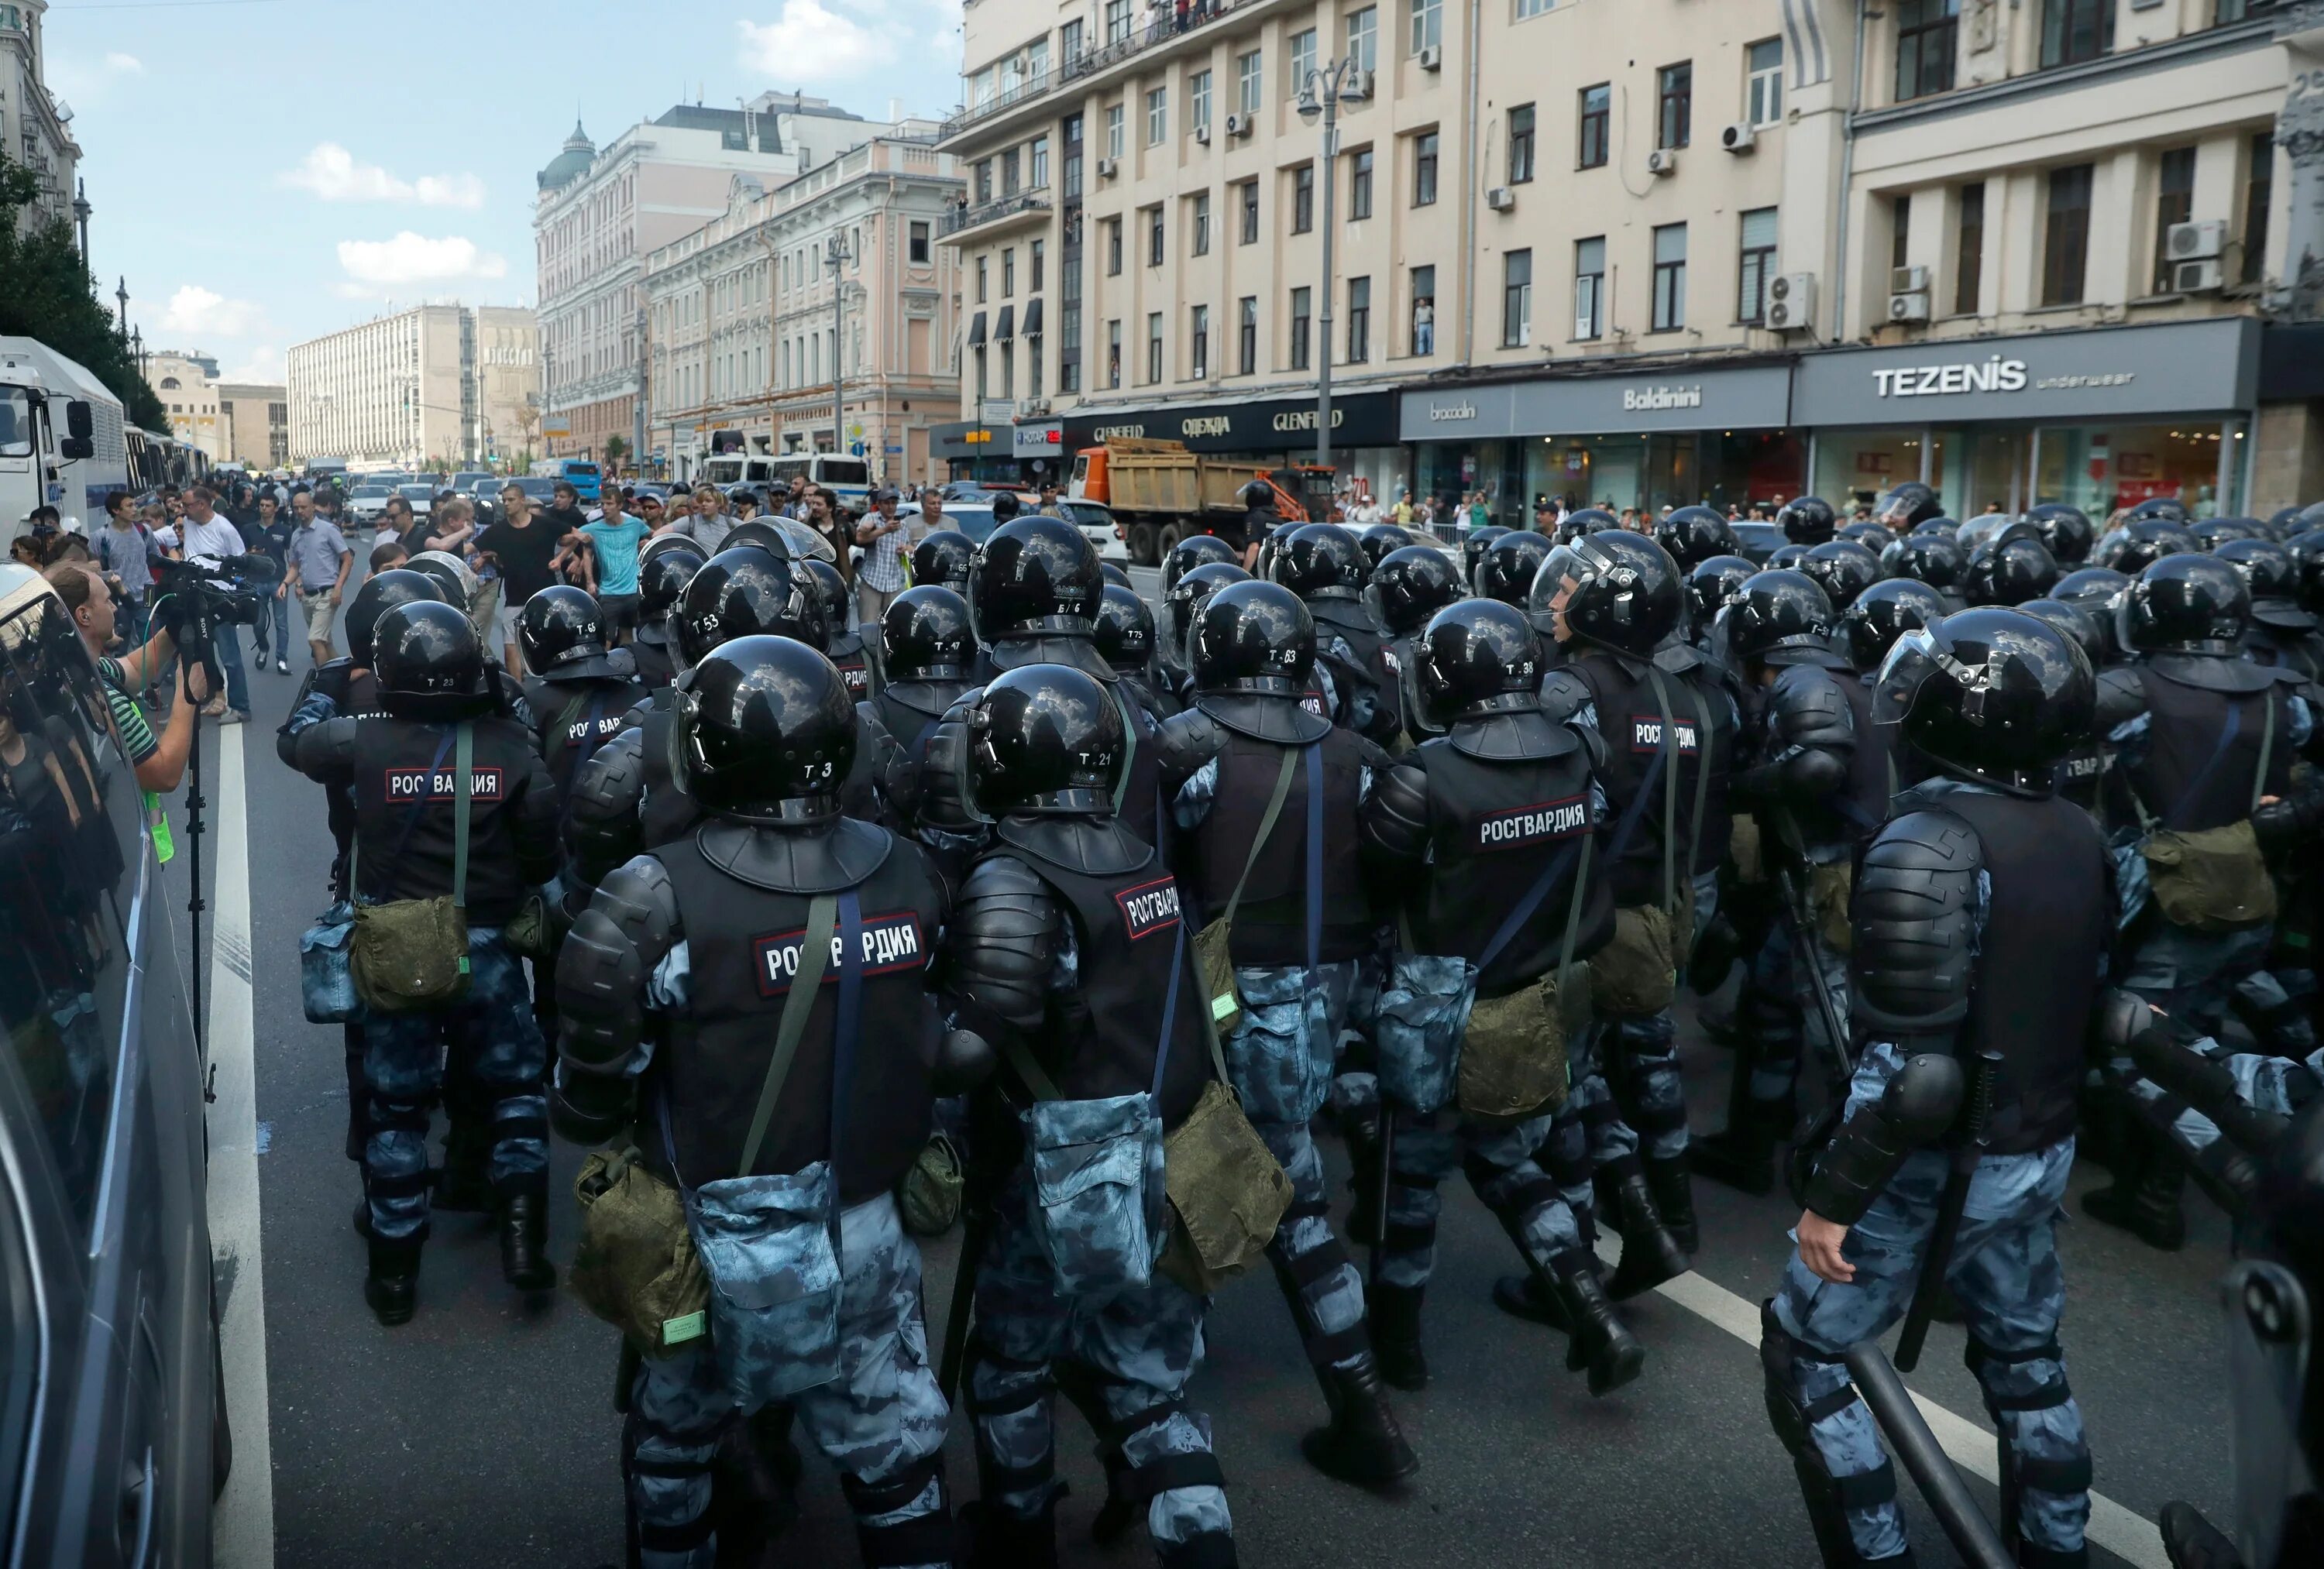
[(880, 1423), (2196, 976), (1128, 1355), (1780, 1015), (1642, 1059), (1280, 1056), (490, 1035), (1588, 1134), (2005, 1273)]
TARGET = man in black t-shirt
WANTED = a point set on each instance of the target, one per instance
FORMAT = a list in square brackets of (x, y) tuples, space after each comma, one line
[(522, 545)]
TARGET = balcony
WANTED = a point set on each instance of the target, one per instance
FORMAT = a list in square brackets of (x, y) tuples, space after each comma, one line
[(1019, 210), (1168, 29)]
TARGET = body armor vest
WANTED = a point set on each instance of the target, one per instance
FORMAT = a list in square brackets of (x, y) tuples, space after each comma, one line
[(575, 718), (403, 769), (2184, 780), (1630, 719), (1271, 925)]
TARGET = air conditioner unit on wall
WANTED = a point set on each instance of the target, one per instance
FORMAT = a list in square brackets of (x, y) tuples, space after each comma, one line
[(1663, 160), (1106, 168), (2194, 242), (1239, 124), (1033, 408), (1738, 137), (2203, 276), (1908, 280), (1790, 302), (1501, 198), (1908, 308), (1432, 58), (1202, 135)]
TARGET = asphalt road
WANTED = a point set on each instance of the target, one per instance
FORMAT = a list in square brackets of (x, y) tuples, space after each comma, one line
[(482, 1432)]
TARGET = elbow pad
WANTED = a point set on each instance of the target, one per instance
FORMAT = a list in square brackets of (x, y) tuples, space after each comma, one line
[(1919, 1105), (601, 822), (2209, 1087), (534, 826), (1806, 708), (1004, 942), (327, 751), (1184, 743), (964, 1060), (630, 926), (1912, 923), (2119, 1018), (1394, 822)]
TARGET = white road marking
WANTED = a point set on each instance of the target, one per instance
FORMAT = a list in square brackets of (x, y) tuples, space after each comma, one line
[(2121, 1531), (242, 1532)]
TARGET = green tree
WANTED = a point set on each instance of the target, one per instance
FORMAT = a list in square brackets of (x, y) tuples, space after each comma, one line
[(46, 292), (616, 449)]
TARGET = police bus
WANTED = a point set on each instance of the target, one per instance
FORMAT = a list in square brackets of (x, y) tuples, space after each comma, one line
[(63, 438), (585, 478)]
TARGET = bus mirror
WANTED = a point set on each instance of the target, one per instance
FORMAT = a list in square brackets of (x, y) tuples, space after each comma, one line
[(79, 424)]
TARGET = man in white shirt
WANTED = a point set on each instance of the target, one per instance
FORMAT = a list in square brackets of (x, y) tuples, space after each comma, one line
[(213, 541)]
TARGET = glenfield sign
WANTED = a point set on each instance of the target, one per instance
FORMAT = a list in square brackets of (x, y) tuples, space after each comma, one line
[(1276, 425), (2168, 369)]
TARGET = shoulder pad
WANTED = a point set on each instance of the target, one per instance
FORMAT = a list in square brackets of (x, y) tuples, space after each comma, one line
[(1187, 740), (1371, 754), (1395, 817), (1806, 708), (601, 821), (1913, 920), (2122, 697), (1002, 877), (327, 748), (1564, 693), (638, 898), (1002, 942)]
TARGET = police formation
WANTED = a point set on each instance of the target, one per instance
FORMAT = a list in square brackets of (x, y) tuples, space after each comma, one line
[(1036, 912)]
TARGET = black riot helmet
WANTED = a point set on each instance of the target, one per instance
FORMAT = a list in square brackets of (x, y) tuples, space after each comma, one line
[(1185, 599), (1787, 557), (430, 665), (1713, 582), (1259, 496), (2309, 517), (1005, 507), (1476, 657), (2066, 530), (2077, 623), (1409, 585), (1125, 629), (942, 560), (1380, 538), (1940, 524), (923, 634), (748, 593), (662, 579), (559, 626), (1885, 612), (2093, 590), (662, 544), (1253, 637), (381, 594), (1509, 564), (1193, 551), (1473, 550), (1033, 575), (2140, 542), (1908, 504), (1991, 695), (2285, 520), (1843, 569), (2009, 573), (2186, 603), (1322, 561), (1931, 558), (1692, 535), (1043, 738), (765, 533), (2306, 551), (1871, 535), (838, 604), (1588, 520), (2266, 565), (766, 731), (2211, 533), (1779, 618), (1619, 590), (436, 567), (1277, 539), (2162, 509), (1807, 520), (1115, 577)]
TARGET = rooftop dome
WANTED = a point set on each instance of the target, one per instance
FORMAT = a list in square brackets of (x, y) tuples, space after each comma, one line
[(571, 163)]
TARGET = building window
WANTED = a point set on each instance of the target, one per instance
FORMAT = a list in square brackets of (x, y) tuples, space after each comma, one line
[(984, 386), (1199, 323), (1069, 348), (1069, 42), (1359, 185), (1363, 37), (2074, 31), (1303, 60), (1424, 170), (1517, 299), (2066, 236), (1032, 367), (2174, 203), (1926, 46), (1157, 115), (1198, 100), (1038, 255), (1756, 265), (1154, 248), (1589, 288), (1521, 144), (1009, 166), (1302, 198), (983, 181), (1359, 320), (1248, 190), (1423, 310), (1008, 273), (1117, 21), (1763, 89), (1247, 335), (2259, 191), (1427, 24), (1675, 105), (1968, 251), (1199, 210), (983, 275), (1113, 247), (1008, 370), (1153, 347), (1113, 353), (1670, 278), (1534, 9), (1596, 113), (919, 244), (1900, 231), (1114, 132), (1247, 79), (1039, 160), (1302, 327)]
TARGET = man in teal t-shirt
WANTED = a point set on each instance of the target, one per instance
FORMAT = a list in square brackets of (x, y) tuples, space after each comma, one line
[(615, 538)]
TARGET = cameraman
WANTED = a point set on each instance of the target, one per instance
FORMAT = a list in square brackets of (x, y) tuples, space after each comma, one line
[(159, 764), (211, 541)]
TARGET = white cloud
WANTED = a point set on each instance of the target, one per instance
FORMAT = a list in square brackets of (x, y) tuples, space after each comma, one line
[(264, 365), (197, 312), (127, 65), (809, 43), (411, 258), (331, 172)]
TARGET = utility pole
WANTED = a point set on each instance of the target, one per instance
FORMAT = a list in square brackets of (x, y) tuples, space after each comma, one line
[(1320, 97), (836, 252)]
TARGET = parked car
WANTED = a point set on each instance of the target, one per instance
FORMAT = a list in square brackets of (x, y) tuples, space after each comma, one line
[(1096, 520), (113, 1439), (422, 496), (368, 500), (486, 494)]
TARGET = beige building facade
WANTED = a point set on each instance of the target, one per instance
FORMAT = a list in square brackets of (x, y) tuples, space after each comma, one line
[(187, 384), (434, 385), (35, 125), (745, 330), (258, 425)]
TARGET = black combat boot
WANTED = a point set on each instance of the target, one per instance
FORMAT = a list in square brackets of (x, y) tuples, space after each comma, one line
[(1363, 1446), (392, 1285), (1395, 1313), (1742, 1155), (1600, 1343), (462, 1184), (2144, 1198), (1674, 1193), (524, 1242), (1529, 1298), (1649, 1254), (993, 1538)]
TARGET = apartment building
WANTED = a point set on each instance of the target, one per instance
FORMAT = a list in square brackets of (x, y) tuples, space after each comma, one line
[(744, 330), (436, 384), (35, 124), (257, 423), (1651, 252), (187, 383)]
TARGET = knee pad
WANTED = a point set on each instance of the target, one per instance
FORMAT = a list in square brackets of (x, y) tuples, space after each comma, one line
[(1139, 1484), (922, 1538)]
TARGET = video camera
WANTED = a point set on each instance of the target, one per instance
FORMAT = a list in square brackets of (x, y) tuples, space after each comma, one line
[(191, 598)]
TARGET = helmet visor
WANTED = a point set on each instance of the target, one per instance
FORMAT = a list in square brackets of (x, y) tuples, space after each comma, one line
[(1563, 576), (2270, 1321), (1912, 660)]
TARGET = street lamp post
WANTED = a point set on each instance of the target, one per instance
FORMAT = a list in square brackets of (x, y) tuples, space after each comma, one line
[(80, 211), (836, 252), (121, 322), (1320, 98)]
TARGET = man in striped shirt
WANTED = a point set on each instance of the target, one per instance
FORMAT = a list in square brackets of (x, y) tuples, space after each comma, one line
[(159, 761)]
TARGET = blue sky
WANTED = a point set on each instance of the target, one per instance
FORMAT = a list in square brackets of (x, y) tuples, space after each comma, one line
[(264, 171)]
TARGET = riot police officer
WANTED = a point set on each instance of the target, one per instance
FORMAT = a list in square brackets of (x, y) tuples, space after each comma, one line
[(2139, 543), (1124, 635), (1611, 600), (2093, 590), (1068, 955), (2282, 631), (1842, 568), (1182, 604), (1807, 520), (844, 643), (1981, 918), (2008, 570), (1883, 613), (1931, 558), (941, 560), (662, 577), (1693, 535), (925, 646), (1480, 540), (1409, 587), (1193, 551), (1506, 569), (2066, 531), (579, 692), (1380, 540), (1907, 507), (1504, 802), (766, 1108), (1325, 565), (446, 742), (1265, 795), (1710, 585)]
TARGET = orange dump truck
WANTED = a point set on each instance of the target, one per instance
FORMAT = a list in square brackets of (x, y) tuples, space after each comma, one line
[(1158, 492)]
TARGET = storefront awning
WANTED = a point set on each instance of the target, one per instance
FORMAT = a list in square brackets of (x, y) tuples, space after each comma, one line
[(1006, 327), (976, 330), (1032, 318)]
